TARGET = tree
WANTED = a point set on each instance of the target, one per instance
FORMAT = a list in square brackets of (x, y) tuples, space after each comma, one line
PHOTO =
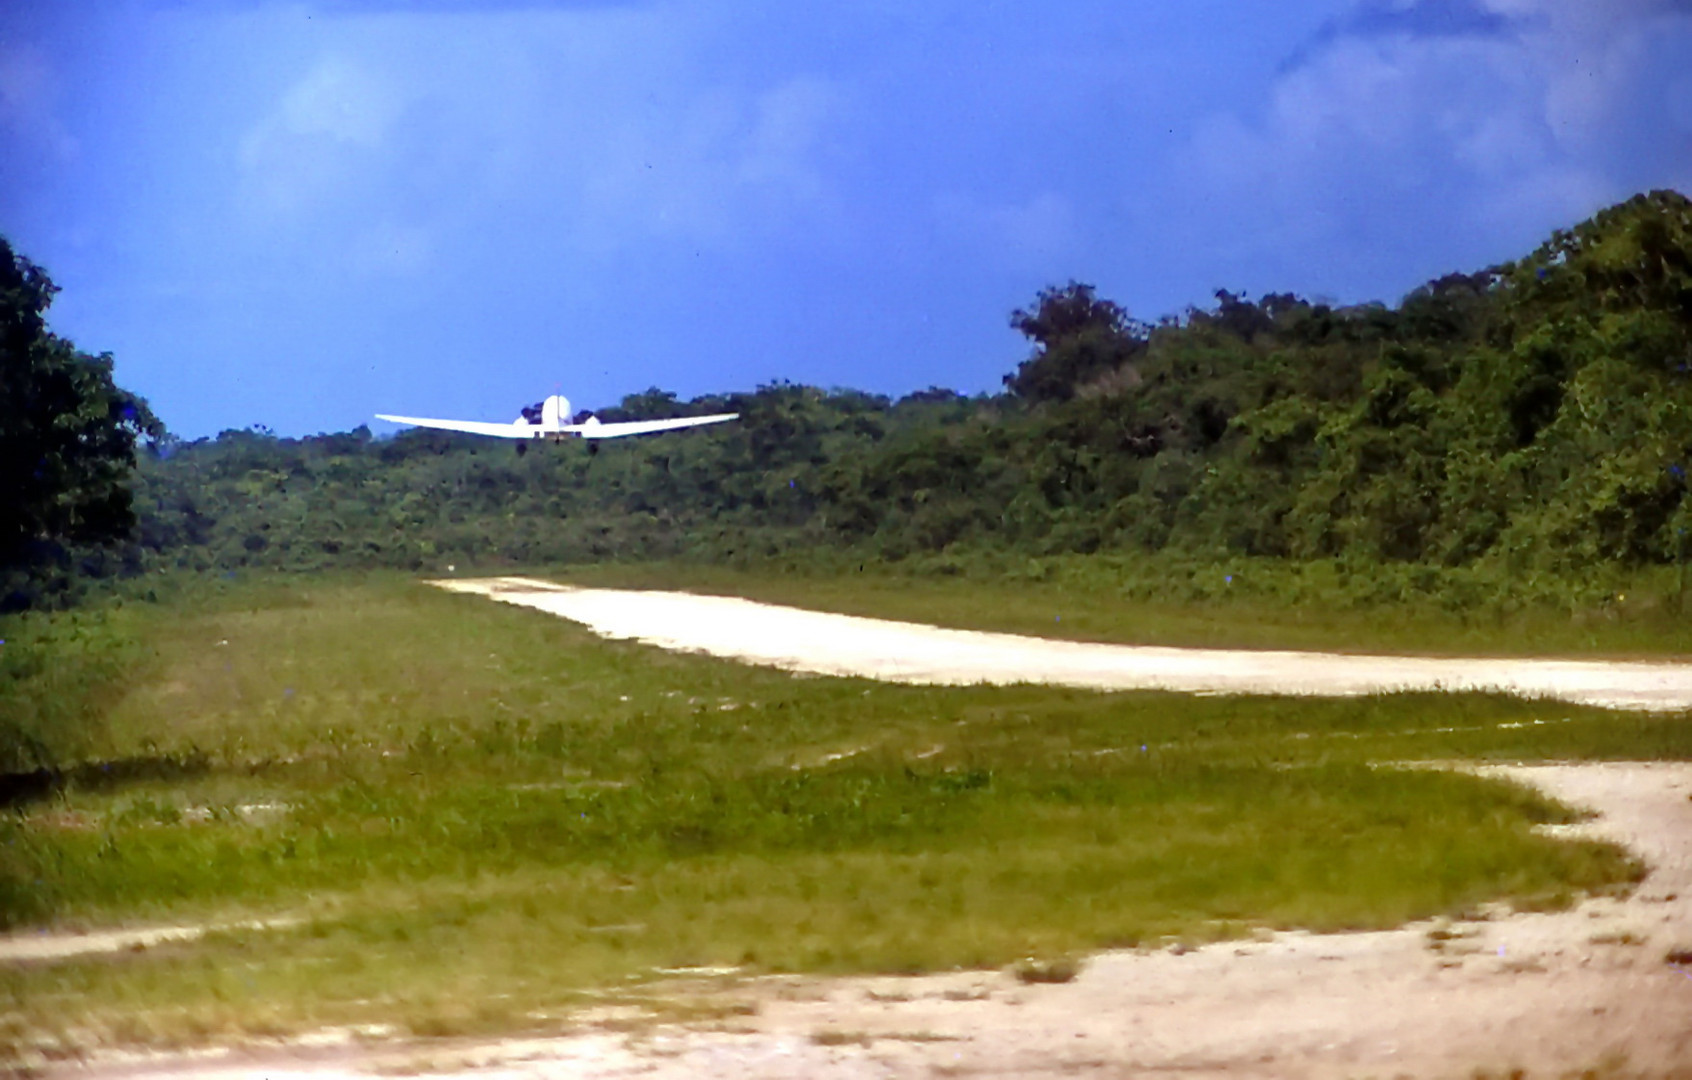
[(67, 434), (1077, 338)]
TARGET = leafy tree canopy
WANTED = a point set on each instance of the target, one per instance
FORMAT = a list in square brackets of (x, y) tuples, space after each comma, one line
[(1077, 337), (67, 435)]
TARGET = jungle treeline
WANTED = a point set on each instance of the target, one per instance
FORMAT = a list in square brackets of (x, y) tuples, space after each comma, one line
[(1534, 416)]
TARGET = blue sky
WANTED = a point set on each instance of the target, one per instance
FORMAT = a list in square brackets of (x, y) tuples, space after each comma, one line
[(299, 214)]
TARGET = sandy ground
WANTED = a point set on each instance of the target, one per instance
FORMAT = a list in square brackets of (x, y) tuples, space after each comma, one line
[(829, 644), (1604, 984)]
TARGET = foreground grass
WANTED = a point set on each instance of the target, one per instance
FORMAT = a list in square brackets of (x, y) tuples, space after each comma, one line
[(484, 814), (1242, 603)]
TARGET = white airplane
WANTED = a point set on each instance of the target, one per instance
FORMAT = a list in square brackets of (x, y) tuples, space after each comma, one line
[(554, 424)]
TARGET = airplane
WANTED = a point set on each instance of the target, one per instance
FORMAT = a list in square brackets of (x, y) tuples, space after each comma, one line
[(552, 421)]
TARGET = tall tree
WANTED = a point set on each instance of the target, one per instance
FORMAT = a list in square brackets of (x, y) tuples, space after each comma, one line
[(67, 432), (1077, 337)]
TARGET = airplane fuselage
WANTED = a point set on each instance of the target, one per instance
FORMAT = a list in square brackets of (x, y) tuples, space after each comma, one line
[(554, 416)]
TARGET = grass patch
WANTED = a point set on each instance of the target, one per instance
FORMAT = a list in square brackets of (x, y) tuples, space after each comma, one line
[(831, 1037), (1032, 970), (487, 816)]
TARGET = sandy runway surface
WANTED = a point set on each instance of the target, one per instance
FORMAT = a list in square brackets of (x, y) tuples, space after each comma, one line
[(830, 644)]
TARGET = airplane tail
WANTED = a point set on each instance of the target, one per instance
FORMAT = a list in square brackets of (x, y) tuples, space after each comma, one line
[(555, 412)]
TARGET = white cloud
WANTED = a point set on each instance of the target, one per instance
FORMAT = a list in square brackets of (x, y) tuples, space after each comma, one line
[(342, 99), (29, 101), (719, 166), (781, 151), (1527, 116), (326, 135), (1038, 233), (594, 129)]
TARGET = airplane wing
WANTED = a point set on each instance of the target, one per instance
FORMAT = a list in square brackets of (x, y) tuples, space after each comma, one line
[(595, 430), (472, 427)]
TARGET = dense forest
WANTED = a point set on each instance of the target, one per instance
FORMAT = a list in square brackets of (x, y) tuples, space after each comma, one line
[(1535, 415)]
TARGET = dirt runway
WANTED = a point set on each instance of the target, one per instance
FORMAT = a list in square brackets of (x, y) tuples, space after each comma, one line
[(830, 644)]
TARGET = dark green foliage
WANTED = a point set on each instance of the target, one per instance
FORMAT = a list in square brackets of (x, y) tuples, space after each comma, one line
[(1534, 417), (67, 443), (1077, 337)]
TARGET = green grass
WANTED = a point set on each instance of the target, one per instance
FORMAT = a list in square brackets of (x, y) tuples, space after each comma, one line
[(486, 815), (1245, 603)]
